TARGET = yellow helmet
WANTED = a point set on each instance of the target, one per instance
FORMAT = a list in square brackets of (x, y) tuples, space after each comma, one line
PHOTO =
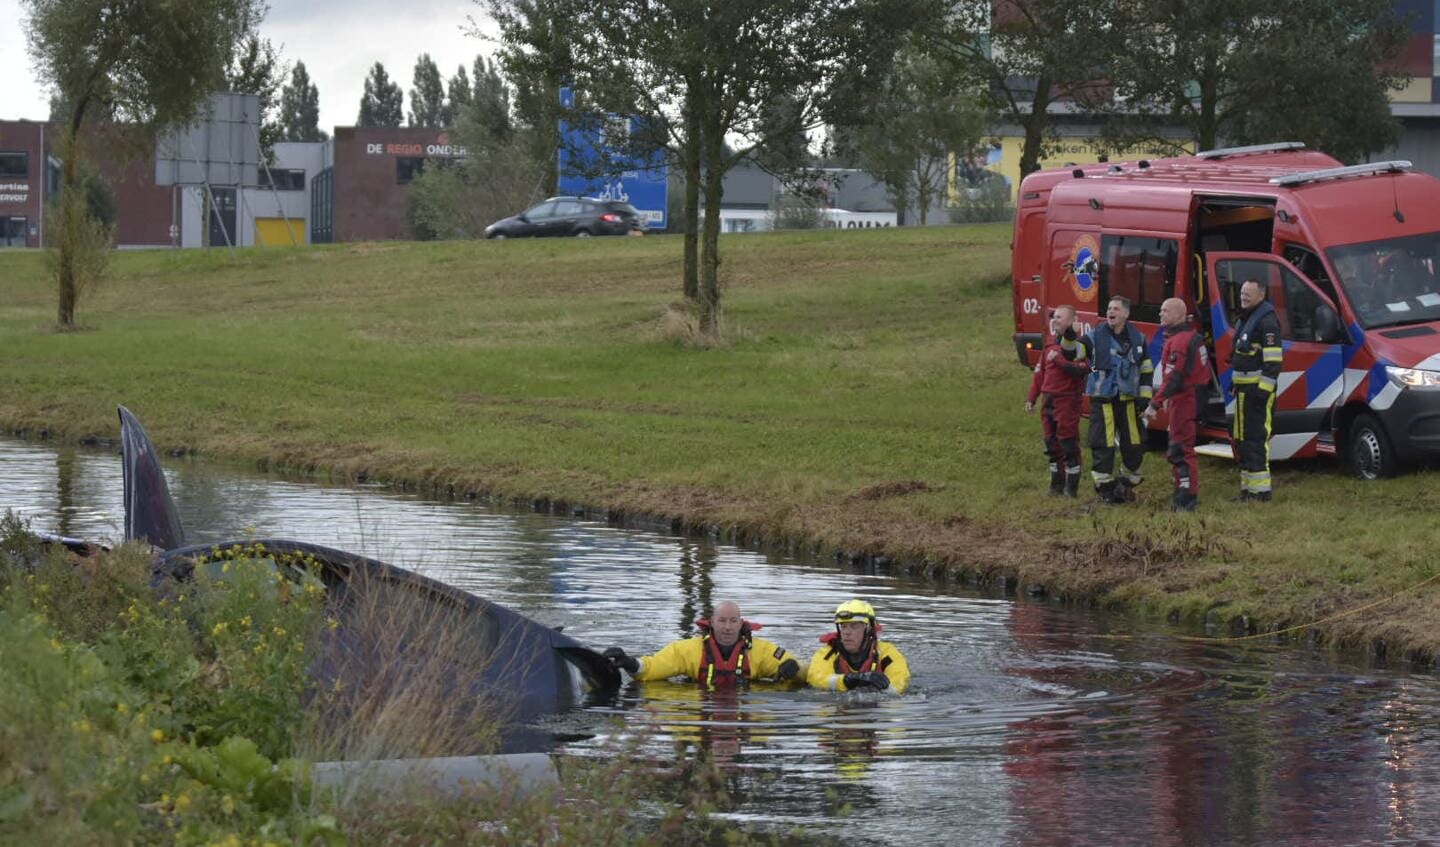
[(855, 610)]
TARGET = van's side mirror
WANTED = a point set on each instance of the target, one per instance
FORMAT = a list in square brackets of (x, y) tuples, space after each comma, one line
[(1328, 329)]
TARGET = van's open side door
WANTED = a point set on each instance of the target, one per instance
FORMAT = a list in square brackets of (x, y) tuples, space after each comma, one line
[(1312, 375)]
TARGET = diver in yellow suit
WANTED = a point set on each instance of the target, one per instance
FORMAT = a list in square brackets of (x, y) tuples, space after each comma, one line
[(854, 657), (725, 653)]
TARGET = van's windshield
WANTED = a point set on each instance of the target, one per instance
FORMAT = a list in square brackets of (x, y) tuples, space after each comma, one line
[(1391, 282)]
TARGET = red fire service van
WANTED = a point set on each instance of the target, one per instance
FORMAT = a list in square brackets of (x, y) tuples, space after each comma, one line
[(1350, 255)]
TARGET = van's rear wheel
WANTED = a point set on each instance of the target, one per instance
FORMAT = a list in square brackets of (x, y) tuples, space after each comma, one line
[(1371, 454)]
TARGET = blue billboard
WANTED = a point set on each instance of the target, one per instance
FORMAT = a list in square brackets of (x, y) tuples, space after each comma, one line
[(596, 160)]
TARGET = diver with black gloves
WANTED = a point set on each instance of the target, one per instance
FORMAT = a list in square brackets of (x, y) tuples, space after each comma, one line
[(854, 658), (725, 653)]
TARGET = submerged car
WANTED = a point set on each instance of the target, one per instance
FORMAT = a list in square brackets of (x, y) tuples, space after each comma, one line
[(395, 629), (566, 216)]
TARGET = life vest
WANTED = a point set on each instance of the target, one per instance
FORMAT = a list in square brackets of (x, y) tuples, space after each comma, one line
[(1116, 362), (872, 661), (715, 667)]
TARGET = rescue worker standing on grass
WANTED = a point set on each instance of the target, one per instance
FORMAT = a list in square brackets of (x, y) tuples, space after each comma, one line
[(1058, 381), (1184, 383), (853, 656), (725, 653), (1256, 360), (1120, 372)]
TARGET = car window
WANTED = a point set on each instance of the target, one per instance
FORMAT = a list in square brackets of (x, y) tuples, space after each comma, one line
[(567, 209), (622, 208), (543, 210)]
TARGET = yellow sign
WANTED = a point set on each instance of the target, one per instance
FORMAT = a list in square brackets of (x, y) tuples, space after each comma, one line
[(271, 231), (1003, 158)]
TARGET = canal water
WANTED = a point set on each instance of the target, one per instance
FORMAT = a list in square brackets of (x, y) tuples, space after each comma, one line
[(1025, 724)]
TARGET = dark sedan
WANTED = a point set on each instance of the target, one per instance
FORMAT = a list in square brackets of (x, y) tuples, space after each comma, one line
[(564, 216)]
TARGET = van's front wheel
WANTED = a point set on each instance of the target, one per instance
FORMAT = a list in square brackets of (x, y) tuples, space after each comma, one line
[(1371, 454)]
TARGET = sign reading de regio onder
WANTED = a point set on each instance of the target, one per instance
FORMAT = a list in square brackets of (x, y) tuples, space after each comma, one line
[(442, 151)]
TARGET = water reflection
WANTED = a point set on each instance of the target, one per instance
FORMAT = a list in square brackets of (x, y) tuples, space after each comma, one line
[(1025, 725)]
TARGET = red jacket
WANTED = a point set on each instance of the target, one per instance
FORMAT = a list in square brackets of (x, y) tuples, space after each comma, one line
[(1062, 374), (1184, 363)]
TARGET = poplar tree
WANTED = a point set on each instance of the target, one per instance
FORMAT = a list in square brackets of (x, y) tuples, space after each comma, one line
[(457, 104), (383, 102), (427, 96), (300, 108)]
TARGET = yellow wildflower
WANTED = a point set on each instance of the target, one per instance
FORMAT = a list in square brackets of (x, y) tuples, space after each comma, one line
[(157, 736)]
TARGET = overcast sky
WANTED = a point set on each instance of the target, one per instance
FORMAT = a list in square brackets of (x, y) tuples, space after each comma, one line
[(338, 42)]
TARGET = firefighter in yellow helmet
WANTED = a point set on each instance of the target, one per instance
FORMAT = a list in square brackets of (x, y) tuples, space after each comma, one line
[(853, 656), (725, 653)]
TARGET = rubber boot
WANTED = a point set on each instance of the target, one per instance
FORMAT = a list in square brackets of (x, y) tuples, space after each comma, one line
[(1106, 492), (1072, 481), (1184, 501), (1124, 492), (1057, 480), (1260, 496), (1244, 497)]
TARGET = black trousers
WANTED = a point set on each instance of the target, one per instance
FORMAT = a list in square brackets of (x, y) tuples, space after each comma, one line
[(1115, 422)]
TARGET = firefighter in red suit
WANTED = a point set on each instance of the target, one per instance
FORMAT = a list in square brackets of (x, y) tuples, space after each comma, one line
[(1058, 383), (1184, 384)]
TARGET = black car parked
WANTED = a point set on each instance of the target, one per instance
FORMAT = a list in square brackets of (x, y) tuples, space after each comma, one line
[(580, 216)]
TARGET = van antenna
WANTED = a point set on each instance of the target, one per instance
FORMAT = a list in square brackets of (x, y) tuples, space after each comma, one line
[(1395, 197)]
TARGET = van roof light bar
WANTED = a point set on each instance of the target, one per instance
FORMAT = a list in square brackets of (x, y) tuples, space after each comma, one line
[(1222, 152), (1363, 169)]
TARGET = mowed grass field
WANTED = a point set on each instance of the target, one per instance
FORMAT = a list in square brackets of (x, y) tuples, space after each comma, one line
[(866, 397)]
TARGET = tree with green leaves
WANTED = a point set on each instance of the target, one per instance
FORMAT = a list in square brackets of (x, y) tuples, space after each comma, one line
[(1244, 71), (383, 103), (490, 98), (427, 94), (153, 66), (461, 95), (1029, 55), (255, 69), (700, 72), (922, 117), (300, 108), (535, 54)]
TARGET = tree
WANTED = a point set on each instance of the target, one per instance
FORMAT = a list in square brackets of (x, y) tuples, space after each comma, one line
[(383, 102), (459, 198), (153, 65), (458, 104), (702, 71), (490, 101), (1245, 71), (535, 54), (920, 116), (255, 69), (1029, 54), (300, 108), (427, 97)]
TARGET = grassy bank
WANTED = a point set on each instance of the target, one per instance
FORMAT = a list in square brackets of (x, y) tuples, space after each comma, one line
[(867, 398)]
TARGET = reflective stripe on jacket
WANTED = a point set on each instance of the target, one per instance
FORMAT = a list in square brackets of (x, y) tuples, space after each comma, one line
[(1258, 355), (828, 667), (685, 657)]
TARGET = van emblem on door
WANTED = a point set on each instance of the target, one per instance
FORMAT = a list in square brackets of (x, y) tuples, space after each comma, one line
[(1083, 269)]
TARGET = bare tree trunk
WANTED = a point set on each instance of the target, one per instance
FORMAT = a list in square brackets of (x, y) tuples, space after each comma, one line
[(71, 204), (691, 155), (710, 239), (1035, 124)]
